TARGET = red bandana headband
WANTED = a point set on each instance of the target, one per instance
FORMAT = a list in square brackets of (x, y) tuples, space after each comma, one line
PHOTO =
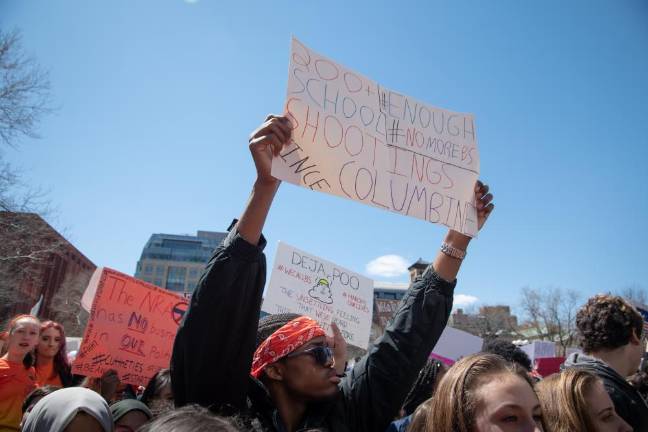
[(284, 341)]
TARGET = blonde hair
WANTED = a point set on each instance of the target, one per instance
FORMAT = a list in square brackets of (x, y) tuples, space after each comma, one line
[(562, 397), (453, 406), (419, 417)]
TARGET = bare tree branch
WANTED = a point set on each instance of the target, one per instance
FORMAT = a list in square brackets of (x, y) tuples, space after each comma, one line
[(634, 293), (24, 91), (552, 314)]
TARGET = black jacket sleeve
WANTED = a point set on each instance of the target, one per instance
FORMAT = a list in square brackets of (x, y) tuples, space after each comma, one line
[(213, 349), (377, 385), (628, 404)]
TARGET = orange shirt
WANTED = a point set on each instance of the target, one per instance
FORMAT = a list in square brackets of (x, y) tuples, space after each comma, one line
[(15, 384), (44, 376)]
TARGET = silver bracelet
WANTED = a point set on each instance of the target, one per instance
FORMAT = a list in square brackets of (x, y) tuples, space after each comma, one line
[(452, 251)]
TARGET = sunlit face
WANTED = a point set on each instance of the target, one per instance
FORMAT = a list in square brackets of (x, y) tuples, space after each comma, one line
[(50, 342), (304, 376), (24, 337), (507, 403), (600, 410)]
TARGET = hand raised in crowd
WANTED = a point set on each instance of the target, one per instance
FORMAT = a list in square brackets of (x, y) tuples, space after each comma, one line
[(483, 203), (339, 346), (447, 263), (108, 384), (267, 141)]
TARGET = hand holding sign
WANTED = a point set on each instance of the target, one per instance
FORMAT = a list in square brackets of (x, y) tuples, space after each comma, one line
[(339, 346), (484, 205), (268, 141)]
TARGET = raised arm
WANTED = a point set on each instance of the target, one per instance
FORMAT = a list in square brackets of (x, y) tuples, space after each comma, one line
[(267, 140), (378, 384), (446, 266), (212, 352)]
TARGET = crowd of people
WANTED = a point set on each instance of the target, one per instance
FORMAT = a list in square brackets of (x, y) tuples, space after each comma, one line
[(232, 371)]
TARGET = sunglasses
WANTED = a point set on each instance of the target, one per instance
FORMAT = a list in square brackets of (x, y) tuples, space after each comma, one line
[(323, 355)]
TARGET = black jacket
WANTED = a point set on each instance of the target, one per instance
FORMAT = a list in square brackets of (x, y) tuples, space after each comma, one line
[(628, 403), (213, 349)]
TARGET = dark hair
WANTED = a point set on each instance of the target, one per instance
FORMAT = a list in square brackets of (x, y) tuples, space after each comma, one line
[(509, 351), (161, 379), (37, 394), (271, 323), (607, 322), (61, 364), (189, 418), (423, 387)]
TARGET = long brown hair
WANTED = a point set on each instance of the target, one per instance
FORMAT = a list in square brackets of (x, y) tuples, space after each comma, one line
[(453, 406), (61, 363), (562, 397)]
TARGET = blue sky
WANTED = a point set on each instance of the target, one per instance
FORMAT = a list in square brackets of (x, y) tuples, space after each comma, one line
[(157, 98)]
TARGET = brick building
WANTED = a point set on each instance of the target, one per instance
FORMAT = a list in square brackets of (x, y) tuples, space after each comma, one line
[(41, 271)]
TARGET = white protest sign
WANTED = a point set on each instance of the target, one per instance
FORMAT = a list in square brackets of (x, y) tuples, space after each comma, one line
[(540, 349), (455, 344), (308, 285), (354, 138)]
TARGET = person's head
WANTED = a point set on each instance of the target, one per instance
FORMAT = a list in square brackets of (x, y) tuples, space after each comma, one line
[(296, 360), (608, 323), (270, 324), (509, 351), (73, 409), (129, 415), (190, 418), (158, 395), (21, 337), (35, 396), (424, 385), (419, 417), (485, 393), (52, 344), (576, 401)]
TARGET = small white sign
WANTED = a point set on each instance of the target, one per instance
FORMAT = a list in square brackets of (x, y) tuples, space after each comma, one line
[(455, 344), (309, 285)]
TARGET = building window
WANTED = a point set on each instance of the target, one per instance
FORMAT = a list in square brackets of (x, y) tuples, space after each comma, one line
[(176, 278), (159, 270), (158, 282), (148, 269), (193, 273)]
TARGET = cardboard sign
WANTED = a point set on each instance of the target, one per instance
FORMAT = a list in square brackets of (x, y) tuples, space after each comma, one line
[(131, 328), (455, 344), (356, 139), (540, 349), (308, 285)]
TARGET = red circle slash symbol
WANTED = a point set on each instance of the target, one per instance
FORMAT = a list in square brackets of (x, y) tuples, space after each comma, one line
[(178, 312)]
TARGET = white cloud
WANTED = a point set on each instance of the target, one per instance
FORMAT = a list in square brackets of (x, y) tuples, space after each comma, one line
[(464, 300), (388, 266)]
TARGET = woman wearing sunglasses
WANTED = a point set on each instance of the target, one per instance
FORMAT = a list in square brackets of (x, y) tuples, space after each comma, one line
[(287, 380)]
